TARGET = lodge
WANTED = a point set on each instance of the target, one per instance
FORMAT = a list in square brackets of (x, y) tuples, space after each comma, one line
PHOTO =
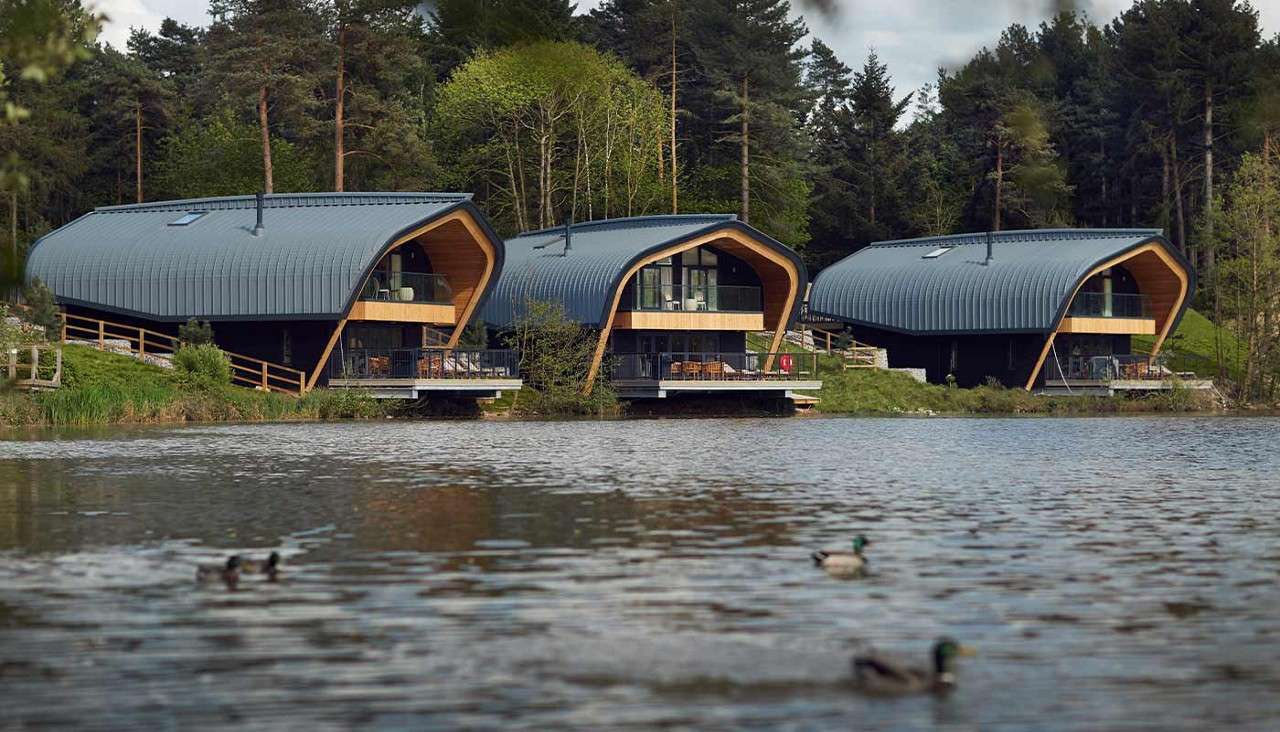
[(675, 300), (1049, 309), (369, 290)]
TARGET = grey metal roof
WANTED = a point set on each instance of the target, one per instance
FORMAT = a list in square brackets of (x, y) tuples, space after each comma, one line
[(1025, 288), (315, 250), (584, 279)]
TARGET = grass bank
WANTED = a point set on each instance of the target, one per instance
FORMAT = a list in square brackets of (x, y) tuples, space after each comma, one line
[(876, 392), (106, 388), (1194, 347)]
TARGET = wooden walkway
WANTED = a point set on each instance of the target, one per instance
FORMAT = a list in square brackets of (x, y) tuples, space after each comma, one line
[(38, 376), (142, 344)]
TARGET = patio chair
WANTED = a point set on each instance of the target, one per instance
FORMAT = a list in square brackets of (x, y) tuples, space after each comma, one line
[(677, 368), (714, 370), (379, 365), (692, 369)]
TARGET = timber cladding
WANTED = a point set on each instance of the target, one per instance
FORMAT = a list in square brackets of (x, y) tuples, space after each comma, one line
[(780, 280), (459, 248), (1160, 276)]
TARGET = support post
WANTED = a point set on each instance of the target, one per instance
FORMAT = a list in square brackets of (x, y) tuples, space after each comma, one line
[(102, 336), (264, 376), (35, 365), (13, 363), (142, 344)]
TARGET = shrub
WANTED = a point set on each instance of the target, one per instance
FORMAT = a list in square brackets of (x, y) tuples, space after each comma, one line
[(555, 358), (203, 366), (44, 311), (195, 333)]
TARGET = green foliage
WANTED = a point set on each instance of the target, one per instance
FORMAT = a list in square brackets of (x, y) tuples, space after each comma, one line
[(874, 391), (107, 388), (44, 310), (555, 358), (223, 157), (16, 334), (552, 130), (196, 333), (202, 366)]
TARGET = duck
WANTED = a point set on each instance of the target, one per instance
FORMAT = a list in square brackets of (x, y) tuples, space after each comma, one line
[(269, 566), (229, 572), (873, 674), (843, 563)]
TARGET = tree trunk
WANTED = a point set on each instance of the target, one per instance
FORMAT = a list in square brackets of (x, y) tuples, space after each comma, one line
[(137, 148), (339, 122), (13, 228), (1177, 198), (746, 153), (995, 217), (1208, 243), (1165, 207), (675, 196), (266, 140)]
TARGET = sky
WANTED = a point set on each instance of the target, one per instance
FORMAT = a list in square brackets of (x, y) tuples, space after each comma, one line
[(913, 37)]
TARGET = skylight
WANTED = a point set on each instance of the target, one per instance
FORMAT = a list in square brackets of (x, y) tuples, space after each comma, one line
[(937, 252), (187, 218)]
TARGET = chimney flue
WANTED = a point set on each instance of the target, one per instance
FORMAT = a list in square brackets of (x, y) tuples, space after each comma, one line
[(989, 255), (257, 228), (568, 235)]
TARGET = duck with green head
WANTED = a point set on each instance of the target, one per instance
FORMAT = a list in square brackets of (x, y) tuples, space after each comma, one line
[(874, 674), (269, 566), (228, 573), (841, 562)]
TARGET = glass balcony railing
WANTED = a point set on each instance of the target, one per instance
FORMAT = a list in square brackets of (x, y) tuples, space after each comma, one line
[(424, 363), (721, 298), (1105, 369), (1116, 305), (407, 287), (704, 366)]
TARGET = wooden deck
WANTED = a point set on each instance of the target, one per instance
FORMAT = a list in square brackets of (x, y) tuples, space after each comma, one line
[(392, 388)]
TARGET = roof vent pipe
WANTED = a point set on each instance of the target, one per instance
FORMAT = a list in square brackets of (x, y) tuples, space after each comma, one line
[(257, 228), (989, 257), (568, 236)]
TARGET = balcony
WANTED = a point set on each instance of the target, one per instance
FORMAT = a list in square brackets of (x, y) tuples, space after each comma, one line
[(422, 364), (719, 367), (1082, 370), (407, 287), (408, 297), (672, 307), (672, 298), (1116, 305)]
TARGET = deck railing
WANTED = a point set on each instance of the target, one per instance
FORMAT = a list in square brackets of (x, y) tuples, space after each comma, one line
[(1105, 369), (407, 287), (424, 363), (1116, 305), (721, 298), (141, 342), (35, 367), (713, 366)]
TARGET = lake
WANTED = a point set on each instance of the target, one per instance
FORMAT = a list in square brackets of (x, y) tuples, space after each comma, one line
[(643, 573)]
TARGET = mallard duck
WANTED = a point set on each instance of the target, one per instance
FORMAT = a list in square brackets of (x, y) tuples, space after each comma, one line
[(269, 566), (229, 573), (838, 562), (875, 675)]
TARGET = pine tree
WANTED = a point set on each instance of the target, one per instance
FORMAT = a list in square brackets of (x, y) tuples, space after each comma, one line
[(265, 53)]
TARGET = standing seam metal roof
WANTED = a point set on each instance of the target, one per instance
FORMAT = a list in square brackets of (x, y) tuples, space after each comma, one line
[(585, 278), (1025, 287), (314, 252)]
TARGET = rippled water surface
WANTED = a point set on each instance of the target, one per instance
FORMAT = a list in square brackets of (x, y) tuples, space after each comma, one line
[(1111, 572)]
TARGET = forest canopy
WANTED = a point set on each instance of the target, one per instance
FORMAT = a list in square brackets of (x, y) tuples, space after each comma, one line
[(1164, 116)]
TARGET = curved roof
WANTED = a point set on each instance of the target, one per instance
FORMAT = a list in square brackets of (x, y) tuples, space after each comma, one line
[(1024, 288), (585, 278), (314, 252)]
